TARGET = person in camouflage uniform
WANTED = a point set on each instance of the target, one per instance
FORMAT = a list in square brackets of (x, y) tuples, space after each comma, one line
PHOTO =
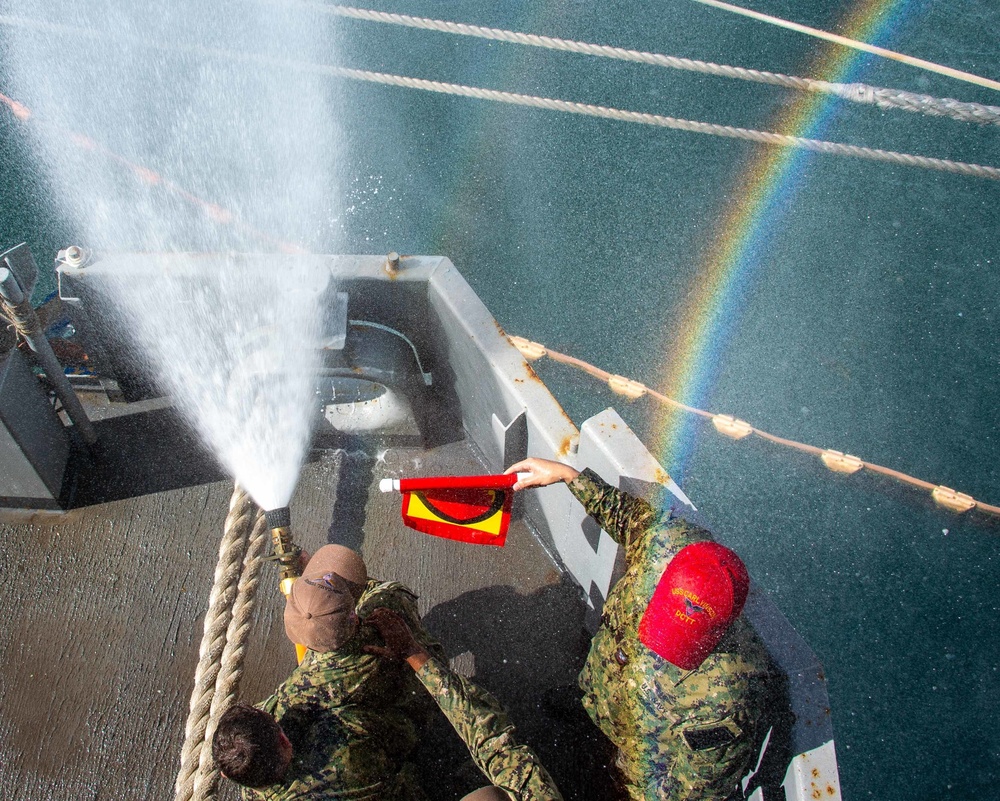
[(682, 735), (513, 769), (314, 752), (339, 690), (337, 670), (311, 752)]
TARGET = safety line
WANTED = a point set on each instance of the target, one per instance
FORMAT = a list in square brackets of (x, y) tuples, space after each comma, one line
[(836, 461), (553, 104), (852, 92), (930, 66)]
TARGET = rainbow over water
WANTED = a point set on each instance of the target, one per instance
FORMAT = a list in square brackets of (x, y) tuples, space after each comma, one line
[(756, 207)]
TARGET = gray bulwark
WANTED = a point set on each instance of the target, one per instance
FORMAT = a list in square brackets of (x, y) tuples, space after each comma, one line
[(34, 445)]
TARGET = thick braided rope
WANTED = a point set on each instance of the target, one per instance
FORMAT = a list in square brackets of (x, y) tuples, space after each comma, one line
[(924, 104), (853, 92), (231, 663), (232, 550), (693, 126)]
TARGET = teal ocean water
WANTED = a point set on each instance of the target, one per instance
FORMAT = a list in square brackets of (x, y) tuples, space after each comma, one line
[(864, 316)]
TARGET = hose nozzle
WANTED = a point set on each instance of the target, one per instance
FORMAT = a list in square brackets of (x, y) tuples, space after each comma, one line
[(286, 552)]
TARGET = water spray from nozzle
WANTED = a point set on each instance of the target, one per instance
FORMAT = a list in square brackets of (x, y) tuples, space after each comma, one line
[(286, 553)]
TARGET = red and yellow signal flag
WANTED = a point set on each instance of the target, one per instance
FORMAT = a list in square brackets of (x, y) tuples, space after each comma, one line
[(465, 508)]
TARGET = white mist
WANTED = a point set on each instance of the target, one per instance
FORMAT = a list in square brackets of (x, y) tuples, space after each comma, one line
[(150, 145)]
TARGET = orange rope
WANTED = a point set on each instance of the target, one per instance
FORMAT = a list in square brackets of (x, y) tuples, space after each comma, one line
[(943, 496), (213, 211)]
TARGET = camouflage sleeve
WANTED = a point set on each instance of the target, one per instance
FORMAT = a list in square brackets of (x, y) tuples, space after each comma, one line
[(270, 703), (489, 735), (403, 601), (627, 519), (250, 794), (323, 679)]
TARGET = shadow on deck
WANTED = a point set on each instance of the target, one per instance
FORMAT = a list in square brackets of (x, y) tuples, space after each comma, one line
[(141, 454)]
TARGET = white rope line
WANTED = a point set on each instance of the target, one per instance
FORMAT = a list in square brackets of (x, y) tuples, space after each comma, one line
[(692, 126), (930, 66), (727, 425), (852, 92)]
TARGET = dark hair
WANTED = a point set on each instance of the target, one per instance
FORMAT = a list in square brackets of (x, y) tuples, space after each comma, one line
[(247, 747)]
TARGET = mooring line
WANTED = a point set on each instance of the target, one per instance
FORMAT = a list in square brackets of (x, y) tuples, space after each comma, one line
[(553, 104), (733, 427), (691, 126), (852, 92)]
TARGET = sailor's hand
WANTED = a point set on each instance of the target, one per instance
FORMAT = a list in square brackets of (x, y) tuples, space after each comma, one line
[(541, 472), (399, 641)]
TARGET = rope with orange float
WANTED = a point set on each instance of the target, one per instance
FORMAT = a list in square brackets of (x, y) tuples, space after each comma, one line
[(730, 426), (213, 211)]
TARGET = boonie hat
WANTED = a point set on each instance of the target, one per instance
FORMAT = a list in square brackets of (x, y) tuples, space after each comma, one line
[(701, 593), (323, 599)]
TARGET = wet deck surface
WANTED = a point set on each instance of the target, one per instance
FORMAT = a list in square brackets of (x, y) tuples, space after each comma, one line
[(103, 610)]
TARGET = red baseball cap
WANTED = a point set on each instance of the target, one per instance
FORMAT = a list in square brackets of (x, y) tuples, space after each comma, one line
[(700, 594)]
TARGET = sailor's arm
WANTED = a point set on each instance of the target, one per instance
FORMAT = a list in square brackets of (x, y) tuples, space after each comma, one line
[(536, 472), (625, 517), (475, 714), (401, 600), (488, 733)]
